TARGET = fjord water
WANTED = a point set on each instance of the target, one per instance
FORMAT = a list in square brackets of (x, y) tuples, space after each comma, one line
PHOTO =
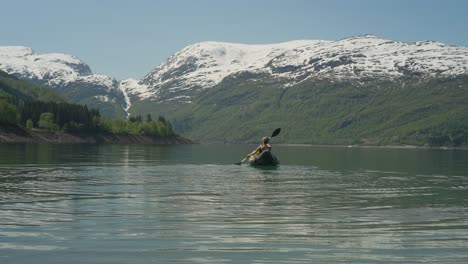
[(190, 204)]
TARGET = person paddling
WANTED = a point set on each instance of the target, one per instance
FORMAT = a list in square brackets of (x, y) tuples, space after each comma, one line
[(265, 146)]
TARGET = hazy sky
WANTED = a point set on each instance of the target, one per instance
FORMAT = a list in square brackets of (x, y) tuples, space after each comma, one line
[(129, 38)]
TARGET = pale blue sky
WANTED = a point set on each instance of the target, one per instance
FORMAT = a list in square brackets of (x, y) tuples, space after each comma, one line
[(129, 38)]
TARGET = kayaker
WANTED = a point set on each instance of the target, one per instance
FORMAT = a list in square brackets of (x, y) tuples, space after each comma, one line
[(262, 154), (265, 146)]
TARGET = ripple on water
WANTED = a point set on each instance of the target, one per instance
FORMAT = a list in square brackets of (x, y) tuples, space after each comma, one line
[(123, 212)]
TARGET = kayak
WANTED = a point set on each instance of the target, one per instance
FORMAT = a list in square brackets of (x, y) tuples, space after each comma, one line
[(266, 158)]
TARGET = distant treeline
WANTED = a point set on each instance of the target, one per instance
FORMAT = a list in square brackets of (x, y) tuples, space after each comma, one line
[(76, 118), (27, 105), (404, 111)]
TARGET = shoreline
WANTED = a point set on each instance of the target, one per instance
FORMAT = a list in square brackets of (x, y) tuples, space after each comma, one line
[(12, 135), (372, 146), (338, 146)]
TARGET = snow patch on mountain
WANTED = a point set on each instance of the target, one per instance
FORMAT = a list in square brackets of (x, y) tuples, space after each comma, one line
[(56, 68), (101, 80), (103, 98), (60, 71), (131, 87), (203, 65)]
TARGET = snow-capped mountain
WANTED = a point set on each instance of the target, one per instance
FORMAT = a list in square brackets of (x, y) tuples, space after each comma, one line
[(52, 68), (203, 65), (66, 74)]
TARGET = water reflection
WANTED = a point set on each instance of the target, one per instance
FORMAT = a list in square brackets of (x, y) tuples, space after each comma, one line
[(138, 204)]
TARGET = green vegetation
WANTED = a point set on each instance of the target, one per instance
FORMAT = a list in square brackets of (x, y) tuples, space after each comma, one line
[(7, 112), (30, 106), (88, 94), (59, 116), (18, 91), (244, 107), (161, 127), (453, 132), (81, 93), (46, 121), (29, 124), (409, 110)]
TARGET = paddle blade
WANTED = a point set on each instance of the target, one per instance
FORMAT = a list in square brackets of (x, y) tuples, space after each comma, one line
[(276, 132), (239, 163)]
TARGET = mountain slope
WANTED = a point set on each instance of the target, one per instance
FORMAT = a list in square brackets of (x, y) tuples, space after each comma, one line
[(201, 66), (66, 74), (360, 90), (33, 114), (407, 110), (16, 90), (23, 104)]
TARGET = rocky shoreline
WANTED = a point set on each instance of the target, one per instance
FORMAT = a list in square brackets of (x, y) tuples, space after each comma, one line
[(20, 135)]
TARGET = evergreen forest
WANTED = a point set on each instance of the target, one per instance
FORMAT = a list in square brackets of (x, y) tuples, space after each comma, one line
[(29, 106)]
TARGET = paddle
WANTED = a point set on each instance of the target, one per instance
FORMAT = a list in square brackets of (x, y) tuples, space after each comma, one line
[(274, 134)]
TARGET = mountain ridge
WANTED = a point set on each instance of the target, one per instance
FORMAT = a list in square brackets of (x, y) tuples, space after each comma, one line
[(403, 111), (203, 65), (190, 72), (66, 74), (358, 90)]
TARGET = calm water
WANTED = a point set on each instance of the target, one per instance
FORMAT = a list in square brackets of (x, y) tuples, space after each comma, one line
[(190, 204)]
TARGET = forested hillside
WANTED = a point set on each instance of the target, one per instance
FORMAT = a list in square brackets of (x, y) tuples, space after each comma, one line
[(26, 105), (410, 110)]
